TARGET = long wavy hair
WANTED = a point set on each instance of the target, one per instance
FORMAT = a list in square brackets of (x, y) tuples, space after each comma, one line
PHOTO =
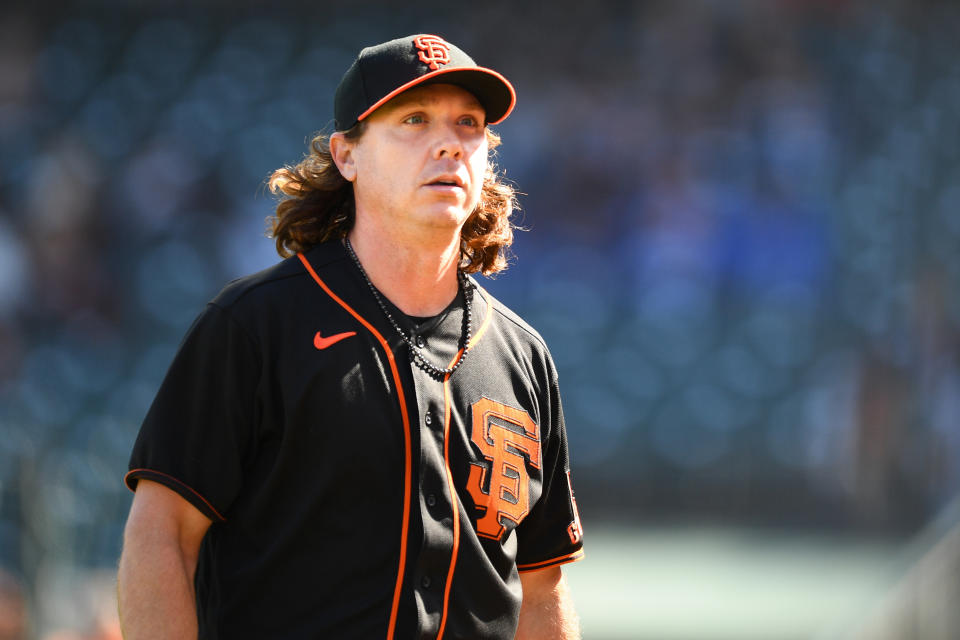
[(317, 205)]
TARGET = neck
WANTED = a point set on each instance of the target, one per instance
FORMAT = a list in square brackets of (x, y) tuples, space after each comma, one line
[(419, 279)]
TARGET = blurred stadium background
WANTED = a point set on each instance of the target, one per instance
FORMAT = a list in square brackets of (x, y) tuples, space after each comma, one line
[(744, 226)]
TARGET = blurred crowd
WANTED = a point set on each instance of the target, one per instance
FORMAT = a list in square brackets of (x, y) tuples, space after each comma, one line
[(743, 229)]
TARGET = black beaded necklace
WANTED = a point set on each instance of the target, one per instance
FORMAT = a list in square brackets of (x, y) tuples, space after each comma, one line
[(417, 356)]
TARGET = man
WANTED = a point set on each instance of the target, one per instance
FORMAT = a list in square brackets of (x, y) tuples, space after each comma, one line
[(360, 442)]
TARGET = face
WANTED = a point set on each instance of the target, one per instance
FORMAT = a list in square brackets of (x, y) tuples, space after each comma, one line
[(420, 162)]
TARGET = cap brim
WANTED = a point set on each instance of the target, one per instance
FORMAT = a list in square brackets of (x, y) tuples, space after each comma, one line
[(494, 92)]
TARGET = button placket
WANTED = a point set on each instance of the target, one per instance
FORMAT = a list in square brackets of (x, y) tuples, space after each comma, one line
[(430, 567)]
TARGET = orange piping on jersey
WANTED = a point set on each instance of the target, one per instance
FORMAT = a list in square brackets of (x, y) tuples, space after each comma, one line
[(446, 460), (127, 478), (453, 497), (484, 324), (570, 557), (406, 441)]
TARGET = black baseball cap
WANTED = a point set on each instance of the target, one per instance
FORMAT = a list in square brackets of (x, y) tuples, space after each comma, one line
[(386, 70)]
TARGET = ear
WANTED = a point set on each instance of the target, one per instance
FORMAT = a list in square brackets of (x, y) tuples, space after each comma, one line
[(342, 151)]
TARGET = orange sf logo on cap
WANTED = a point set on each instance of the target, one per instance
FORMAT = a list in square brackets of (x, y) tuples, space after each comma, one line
[(434, 50)]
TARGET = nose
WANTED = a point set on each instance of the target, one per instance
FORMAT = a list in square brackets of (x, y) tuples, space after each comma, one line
[(448, 143)]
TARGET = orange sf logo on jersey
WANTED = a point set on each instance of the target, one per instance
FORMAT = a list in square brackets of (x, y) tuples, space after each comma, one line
[(433, 50), (508, 438)]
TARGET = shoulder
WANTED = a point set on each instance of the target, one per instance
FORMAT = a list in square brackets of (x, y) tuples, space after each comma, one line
[(277, 282), (510, 325), (265, 307), (507, 317), (259, 283)]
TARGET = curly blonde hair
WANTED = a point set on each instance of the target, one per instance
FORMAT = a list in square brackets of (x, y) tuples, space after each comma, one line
[(317, 205)]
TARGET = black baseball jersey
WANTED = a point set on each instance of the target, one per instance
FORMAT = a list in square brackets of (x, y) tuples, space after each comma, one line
[(352, 494)]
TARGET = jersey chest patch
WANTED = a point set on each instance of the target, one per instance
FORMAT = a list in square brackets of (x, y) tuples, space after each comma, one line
[(508, 440)]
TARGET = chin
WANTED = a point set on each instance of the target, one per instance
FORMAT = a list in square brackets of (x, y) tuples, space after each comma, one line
[(449, 217)]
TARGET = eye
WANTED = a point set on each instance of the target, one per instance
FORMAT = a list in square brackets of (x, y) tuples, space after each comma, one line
[(470, 121), (414, 119)]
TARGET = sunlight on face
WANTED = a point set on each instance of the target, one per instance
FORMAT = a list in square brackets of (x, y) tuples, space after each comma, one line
[(421, 161)]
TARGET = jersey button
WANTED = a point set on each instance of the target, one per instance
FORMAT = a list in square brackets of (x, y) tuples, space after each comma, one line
[(420, 341), (425, 581), (431, 500), (428, 419)]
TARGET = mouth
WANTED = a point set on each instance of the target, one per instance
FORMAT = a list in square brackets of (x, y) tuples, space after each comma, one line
[(446, 181)]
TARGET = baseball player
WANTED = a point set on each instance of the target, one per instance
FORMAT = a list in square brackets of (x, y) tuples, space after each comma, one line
[(361, 442)]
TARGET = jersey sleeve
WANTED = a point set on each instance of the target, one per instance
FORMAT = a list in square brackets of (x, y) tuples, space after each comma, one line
[(551, 534), (201, 425)]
